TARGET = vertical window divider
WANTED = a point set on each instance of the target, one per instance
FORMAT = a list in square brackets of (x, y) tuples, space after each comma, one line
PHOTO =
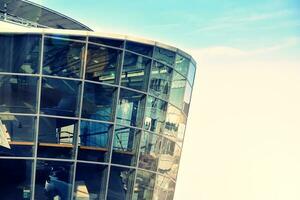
[(115, 104), (39, 88), (79, 117)]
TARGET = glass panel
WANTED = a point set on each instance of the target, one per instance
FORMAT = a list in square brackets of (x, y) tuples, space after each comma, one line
[(18, 94), (143, 49), (125, 145), (177, 90), (109, 42), (102, 64), (149, 151), (93, 141), (53, 180), (17, 135), (20, 53), (175, 125), (120, 183), (187, 98), (169, 158), (160, 81), (63, 57), (164, 188), (135, 72), (15, 179), (191, 74), (98, 101), (182, 64), (90, 182), (155, 114), (69, 37), (60, 97), (144, 185), (163, 55), (57, 137), (130, 108)]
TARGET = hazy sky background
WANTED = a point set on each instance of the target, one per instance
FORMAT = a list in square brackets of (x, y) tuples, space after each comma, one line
[(243, 134)]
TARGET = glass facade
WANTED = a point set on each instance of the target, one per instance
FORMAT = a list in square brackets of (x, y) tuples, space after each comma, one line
[(90, 118)]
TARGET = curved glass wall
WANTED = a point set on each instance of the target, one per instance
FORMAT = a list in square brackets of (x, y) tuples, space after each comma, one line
[(90, 118)]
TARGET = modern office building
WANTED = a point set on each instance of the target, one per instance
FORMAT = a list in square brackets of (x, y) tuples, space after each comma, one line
[(86, 115)]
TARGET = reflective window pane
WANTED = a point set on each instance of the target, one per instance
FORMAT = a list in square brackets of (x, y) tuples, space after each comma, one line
[(182, 64), (163, 55), (20, 53), (120, 185), (15, 179), (18, 94), (98, 101), (155, 114), (139, 48), (175, 125), (60, 97), (144, 185), (177, 90), (69, 37), (125, 145), (191, 74), (93, 141), (17, 135), (160, 81), (130, 108), (187, 99), (102, 64), (57, 137), (53, 180), (164, 188), (169, 158), (108, 42), (63, 57), (90, 182), (149, 151), (135, 72)]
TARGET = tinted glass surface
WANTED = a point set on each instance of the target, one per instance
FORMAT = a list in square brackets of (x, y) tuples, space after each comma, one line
[(182, 65), (18, 94), (135, 73), (17, 135), (20, 53), (102, 64), (149, 151), (93, 141), (90, 182), (191, 74), (125, 145), (187, 98), (177, 90), (164, 188), (63, 57), (120, 185), (143, 49), (160, 81), (57, 137), (98, 101), (15, 179), (169, 158), (163, 55), (60, 97), (175, 124), (144, 185), (53, 180), (130, 108), (106, 41), (155, 114)]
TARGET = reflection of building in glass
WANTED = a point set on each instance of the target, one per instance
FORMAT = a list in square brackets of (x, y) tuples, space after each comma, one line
[(85, 115)]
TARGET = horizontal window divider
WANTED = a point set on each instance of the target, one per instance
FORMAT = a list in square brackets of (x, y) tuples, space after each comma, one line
[(100, 83), (104, 45), (59, 116), (19, 74), (61, 77)]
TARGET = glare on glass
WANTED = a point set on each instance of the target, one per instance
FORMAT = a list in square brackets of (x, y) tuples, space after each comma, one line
[(177, 90)]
